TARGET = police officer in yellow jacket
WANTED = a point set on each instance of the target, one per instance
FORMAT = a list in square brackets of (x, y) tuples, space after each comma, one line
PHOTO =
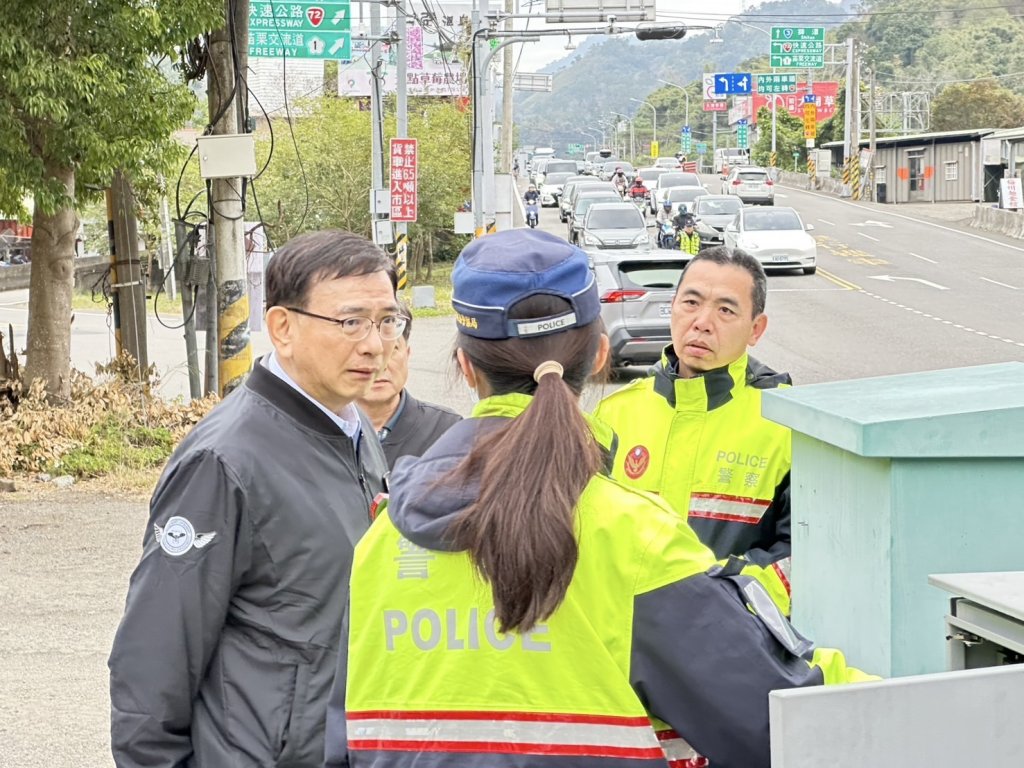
[(512, 605), (693, 432)]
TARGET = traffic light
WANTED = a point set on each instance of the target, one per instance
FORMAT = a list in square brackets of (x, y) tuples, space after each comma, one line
[(661, 33)]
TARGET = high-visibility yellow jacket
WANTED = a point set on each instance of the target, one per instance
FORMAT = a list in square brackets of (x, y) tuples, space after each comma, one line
[(650, 628), (689, 244), (703, 446)]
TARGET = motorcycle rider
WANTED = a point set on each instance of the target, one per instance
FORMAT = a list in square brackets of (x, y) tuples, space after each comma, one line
[(638, 190), (532, 195), (665, 217), (620, 181)]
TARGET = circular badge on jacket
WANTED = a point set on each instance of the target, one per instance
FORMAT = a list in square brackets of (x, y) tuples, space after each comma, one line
[(178, 536), (637, 461)]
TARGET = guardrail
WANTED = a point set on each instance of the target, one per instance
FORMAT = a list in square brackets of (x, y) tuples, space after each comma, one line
[(87, 271)]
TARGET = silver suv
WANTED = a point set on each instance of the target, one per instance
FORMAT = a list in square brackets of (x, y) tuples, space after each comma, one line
[(750, 184), (636, 290)]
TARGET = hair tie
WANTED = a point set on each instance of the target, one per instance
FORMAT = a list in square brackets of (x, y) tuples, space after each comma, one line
[(548, 366)]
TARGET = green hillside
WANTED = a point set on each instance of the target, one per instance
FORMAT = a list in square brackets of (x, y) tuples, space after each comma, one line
[(967, 55)]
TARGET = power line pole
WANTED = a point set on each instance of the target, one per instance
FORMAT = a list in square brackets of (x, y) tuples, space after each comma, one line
[(226, 86), (506, 96), (401, 131), (129, 291), (376, 97)]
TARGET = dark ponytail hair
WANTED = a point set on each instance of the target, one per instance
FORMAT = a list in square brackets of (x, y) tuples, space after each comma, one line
[(521, 530)]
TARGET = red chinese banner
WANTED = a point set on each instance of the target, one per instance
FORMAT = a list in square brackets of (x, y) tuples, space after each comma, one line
[(825, 93), (716, 105), (404, 179)]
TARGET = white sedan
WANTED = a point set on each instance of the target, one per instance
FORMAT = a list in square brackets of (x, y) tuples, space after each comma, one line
[(776, 237)]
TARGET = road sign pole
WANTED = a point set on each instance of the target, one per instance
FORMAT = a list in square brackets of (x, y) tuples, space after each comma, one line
[(402, 116)]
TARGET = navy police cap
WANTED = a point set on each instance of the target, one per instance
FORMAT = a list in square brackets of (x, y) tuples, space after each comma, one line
[(494, 273)]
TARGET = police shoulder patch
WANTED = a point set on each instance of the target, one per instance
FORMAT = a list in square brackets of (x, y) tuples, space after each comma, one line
[(178, 536)]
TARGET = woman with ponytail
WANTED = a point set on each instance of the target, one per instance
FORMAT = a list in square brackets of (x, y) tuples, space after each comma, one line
[(514, 606)]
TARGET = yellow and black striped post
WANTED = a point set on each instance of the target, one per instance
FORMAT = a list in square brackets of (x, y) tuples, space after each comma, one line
[(774, 159), (235, 358), (811, 170), (492, 228), (855, 176), (402, 260), (846, 172)]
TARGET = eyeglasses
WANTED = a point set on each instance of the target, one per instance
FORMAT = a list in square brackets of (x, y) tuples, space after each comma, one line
[(358, 328)]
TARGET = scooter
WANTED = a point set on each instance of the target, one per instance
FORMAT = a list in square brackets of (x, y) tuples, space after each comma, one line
[(532, 215), (667, 236)]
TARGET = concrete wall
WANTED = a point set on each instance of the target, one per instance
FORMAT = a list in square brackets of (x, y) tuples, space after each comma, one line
[(87, 271), (999, 220)]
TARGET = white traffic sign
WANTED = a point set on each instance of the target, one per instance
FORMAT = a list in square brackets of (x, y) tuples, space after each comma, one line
[(710, 94)]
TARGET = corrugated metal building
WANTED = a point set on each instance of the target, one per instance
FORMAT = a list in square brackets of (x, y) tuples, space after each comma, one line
[(926, 168)]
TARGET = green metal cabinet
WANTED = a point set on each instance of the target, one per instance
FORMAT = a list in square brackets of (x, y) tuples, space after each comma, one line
[(896, 478)]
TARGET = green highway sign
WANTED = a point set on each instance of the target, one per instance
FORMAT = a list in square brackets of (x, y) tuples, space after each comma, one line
[(770, 83), (300, 30), (798, 47), (702, 147), (575, 149)]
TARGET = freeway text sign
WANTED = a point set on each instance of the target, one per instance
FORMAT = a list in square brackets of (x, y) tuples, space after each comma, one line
[(769, 83), (798, 47), (300, 30), (728, 83)]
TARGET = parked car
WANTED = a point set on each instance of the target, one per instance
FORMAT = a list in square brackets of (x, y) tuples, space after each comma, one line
[(636, 290), (713, 213), (683, 197), (574, 186), (669, 180), (551, 188), (585, 199), (614, 225), (750, 184), (777, 237)]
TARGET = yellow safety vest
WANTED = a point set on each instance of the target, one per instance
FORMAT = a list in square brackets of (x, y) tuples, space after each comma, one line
[(422, 621), (709, 454)]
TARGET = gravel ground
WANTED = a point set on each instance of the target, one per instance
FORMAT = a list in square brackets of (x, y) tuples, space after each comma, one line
[(65, 557)]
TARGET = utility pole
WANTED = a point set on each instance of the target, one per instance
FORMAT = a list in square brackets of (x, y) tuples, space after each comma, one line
[(376, 96), (848, 103), (226, 86), (872, 135), (129, 292), (401, 131), (487, 132), (506, 95)]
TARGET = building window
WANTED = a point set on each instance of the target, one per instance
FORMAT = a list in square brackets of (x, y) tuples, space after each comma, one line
[(880, 174), (952, 170)]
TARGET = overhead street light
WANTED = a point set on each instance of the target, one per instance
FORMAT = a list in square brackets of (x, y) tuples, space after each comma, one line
[(685, 95)]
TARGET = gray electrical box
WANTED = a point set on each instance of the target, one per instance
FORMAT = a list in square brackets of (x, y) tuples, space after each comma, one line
[(228, 156)]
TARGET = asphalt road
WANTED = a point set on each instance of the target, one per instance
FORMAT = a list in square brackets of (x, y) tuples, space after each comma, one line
[(897, 291)]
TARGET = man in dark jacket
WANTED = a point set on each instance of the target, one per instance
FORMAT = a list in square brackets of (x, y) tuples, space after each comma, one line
[(406, 426), (227, 648)]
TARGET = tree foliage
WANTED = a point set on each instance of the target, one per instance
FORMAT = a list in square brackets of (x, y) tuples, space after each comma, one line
[(982, 104), (81, 94), (326, 183)]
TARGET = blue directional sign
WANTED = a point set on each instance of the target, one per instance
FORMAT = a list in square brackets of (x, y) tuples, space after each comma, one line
[(733, 83), (810, 98)]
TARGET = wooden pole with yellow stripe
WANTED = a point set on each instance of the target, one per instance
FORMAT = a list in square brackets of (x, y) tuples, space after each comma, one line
[(402, 259)]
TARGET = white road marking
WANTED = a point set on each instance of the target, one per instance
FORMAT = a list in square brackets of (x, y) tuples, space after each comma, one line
[(793, 290), (923, 258), (869, 237), (891, 278), (996, 282), (928, 223), (945, 322), (826, 221)]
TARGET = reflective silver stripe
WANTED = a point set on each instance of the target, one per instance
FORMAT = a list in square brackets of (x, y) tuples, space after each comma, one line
[(782, 567), (734, 508), (678, 749), (504, 731)]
